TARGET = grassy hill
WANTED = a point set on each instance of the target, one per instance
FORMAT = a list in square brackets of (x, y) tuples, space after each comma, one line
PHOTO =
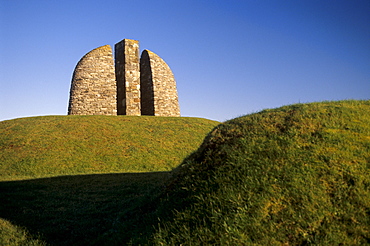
[(68, 145), (296, 175)]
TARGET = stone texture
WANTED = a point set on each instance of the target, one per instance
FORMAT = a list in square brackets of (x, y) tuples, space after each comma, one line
[(158, 87), (128, 77), (93, 88)]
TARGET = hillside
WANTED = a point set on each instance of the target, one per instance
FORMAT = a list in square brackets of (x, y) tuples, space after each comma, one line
[(296, 175), (69, 145)]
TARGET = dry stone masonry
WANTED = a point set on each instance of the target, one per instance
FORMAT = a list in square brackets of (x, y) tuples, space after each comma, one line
[(93, 89), (128, 77), (127, 85), (158, 87)]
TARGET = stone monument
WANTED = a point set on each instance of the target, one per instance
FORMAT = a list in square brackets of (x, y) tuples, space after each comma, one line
[(127, 85)]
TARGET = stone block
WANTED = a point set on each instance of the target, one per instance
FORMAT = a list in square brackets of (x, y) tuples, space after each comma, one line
[(127, 76)]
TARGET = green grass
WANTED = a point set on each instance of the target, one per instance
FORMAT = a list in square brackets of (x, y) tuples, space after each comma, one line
[(296, 175), (11, 235), (67, 179), (69, 145)]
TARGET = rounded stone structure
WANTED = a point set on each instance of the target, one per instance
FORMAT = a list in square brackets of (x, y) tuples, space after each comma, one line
[(123, 85), (158, 87), (93, 89)]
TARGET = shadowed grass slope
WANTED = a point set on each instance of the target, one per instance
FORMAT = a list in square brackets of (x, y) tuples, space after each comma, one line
[(68, 145), (75, 210), (296, 175)]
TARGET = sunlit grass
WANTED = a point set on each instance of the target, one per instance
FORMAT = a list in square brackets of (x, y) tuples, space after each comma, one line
[(67, 145)]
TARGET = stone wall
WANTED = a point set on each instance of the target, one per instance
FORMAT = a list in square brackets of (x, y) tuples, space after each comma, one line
[(128, 77), (158, 87), (93, 88)]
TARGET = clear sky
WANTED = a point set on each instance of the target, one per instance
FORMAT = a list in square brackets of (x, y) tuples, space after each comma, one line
[(229, 57)]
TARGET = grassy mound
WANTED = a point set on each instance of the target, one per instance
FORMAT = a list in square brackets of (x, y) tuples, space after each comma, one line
[(296, 175), (68, 145)]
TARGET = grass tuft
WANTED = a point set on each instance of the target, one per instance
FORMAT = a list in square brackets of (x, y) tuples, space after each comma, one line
[(11, 235)]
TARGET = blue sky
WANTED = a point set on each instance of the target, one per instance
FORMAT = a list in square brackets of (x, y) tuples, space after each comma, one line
[(229, 58)]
